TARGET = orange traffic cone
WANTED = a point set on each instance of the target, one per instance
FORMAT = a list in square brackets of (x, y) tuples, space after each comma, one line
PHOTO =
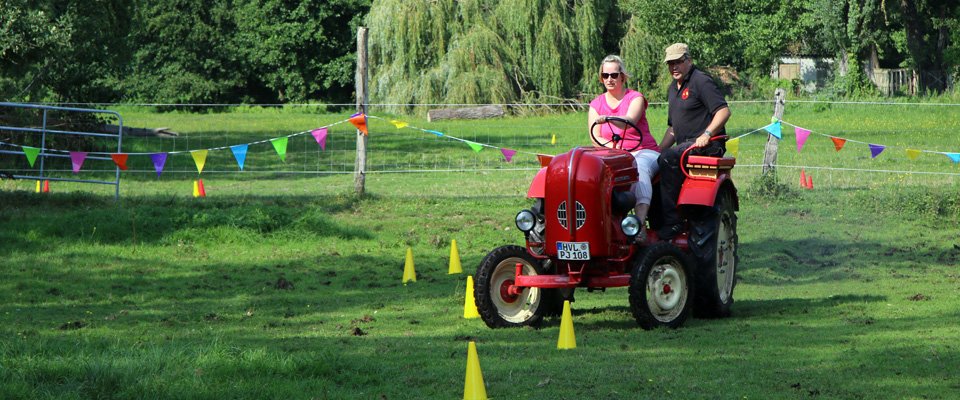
[(46, 186), (810, 182), (203, 192), (803, 178)]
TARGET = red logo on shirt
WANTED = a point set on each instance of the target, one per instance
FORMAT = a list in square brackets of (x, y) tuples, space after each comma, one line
[(685, 94)]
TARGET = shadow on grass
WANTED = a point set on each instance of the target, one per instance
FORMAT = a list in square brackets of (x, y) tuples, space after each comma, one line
[(35, 223)]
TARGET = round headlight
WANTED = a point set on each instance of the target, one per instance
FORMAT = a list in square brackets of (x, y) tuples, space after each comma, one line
[(630, 226), (526, 220)]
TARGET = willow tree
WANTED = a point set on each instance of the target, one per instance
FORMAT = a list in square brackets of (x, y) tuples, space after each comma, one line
[(484, 51)]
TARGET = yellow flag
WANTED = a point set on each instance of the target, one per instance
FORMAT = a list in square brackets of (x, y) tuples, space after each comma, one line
[(733, 147), (199, 157), (913, 154), (398, 124)]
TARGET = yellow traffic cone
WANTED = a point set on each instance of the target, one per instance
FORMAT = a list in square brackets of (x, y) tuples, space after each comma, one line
[(469, 303), (409, 274), (38, 186), (567, 340), (196, 189), (553, 139), (473, 387), (455, 267)]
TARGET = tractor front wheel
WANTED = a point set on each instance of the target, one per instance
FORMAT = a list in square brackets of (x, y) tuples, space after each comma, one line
[(661, 287), (497, 306)]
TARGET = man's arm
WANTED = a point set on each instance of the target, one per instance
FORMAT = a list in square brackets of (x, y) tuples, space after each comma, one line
[(719, 120)]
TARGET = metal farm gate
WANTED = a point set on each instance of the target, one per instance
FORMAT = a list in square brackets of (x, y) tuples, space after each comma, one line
[(44, 130)]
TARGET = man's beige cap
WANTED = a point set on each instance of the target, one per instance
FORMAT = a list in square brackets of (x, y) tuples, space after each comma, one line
[(676, 51)]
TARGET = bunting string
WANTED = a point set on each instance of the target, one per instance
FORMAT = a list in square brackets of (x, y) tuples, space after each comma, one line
[(279, 144)]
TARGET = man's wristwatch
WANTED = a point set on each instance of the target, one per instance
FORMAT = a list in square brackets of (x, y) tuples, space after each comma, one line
[(708, 133)]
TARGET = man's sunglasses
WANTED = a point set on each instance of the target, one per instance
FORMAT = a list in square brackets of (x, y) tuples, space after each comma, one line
[(614, 75)]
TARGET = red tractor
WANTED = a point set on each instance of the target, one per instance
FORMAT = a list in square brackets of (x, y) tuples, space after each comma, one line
[(580, 233)]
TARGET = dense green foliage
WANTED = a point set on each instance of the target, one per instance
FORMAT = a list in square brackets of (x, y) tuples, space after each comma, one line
[(471, 51), (178, 51), (552, 47)]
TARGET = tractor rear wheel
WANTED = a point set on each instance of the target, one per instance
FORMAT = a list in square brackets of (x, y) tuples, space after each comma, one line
[(497, 306), (718, 259), (661, 287)]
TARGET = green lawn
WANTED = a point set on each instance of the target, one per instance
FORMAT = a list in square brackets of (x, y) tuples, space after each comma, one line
[(285, 285)]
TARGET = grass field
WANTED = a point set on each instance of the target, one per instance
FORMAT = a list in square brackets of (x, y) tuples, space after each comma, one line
[(282, 284)]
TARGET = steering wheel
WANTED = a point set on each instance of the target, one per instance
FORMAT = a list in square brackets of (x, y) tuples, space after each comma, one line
[(683, 157), (616, 139)]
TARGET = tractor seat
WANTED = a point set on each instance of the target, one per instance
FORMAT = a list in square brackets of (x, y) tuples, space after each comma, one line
[(707, 162)]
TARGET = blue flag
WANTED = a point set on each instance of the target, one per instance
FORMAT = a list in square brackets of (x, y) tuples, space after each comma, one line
[(240, 153)]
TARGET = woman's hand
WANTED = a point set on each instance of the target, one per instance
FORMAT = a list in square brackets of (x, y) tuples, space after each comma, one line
[(601, 119)]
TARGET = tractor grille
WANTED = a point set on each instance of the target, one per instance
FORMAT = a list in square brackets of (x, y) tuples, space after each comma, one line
[(580, 213)]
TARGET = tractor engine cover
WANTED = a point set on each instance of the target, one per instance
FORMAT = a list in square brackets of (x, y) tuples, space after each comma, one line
[(579, 199)]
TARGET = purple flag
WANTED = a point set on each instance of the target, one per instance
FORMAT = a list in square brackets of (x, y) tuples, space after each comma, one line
[(876, 149), (508, 154), (158, 160), (321, 136), (77, 157)]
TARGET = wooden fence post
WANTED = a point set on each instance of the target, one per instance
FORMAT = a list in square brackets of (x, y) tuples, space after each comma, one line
[(770, 152), (360, 169)]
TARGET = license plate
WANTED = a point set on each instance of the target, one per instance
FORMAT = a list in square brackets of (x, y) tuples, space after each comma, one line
[(575, 251)]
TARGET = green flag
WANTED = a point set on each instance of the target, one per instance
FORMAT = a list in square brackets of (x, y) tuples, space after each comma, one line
[(280, 144), (475, 146), (31, 153)]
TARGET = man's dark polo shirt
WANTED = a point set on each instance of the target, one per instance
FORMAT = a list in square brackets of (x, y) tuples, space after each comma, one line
[(693, 105)]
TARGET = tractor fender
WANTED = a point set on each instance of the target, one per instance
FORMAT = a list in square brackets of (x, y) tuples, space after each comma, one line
[(538, 188), (703, 192)]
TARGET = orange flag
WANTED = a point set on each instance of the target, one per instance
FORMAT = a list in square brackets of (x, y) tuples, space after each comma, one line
[(360, 121), (544, 159), (120, 159), (838, 142)]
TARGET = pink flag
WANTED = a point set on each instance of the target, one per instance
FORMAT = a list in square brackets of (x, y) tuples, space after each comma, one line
[(802, 135), (321, 136), (508, 154), (77, 157)]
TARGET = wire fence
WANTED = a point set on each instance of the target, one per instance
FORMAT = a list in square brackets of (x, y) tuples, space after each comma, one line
[(411, 145)]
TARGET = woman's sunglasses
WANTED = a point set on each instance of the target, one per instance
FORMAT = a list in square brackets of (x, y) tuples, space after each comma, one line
[(614, 75)]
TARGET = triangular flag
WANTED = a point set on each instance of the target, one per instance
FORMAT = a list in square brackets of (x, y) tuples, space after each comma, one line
[(913, 154), (475, 146), (31, 153), (321, 136), (802, 135), (200, 158), (158, 160), (439, 134), (955, 157), (838, 142), (508, 154), (398, 124), (733, 147), (875, 150), (240, 153), (774, 129), (77, 157), (120, 159), (359, 120), (544, 159), (280, 145)]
